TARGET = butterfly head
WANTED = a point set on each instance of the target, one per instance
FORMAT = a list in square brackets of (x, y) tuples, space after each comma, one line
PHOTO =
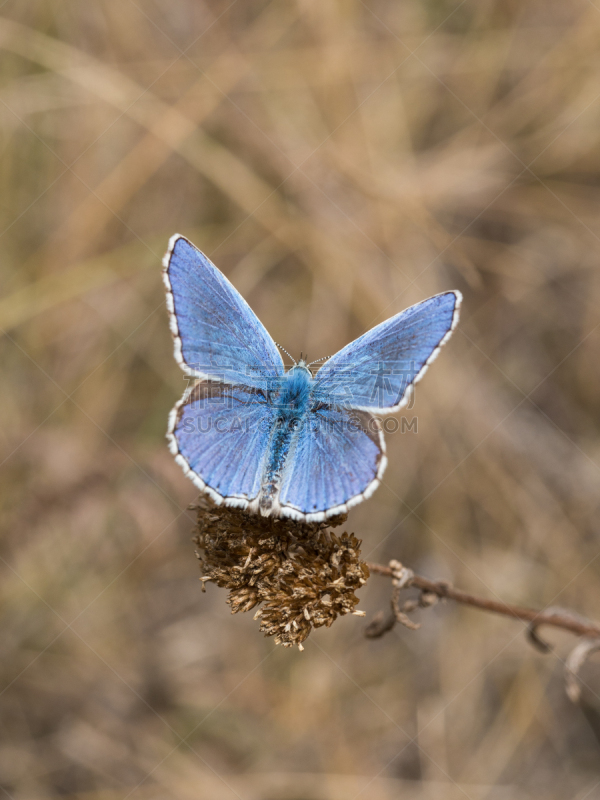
[(302, 364)]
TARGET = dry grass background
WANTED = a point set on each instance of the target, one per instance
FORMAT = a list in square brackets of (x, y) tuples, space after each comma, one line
[(339, 160)]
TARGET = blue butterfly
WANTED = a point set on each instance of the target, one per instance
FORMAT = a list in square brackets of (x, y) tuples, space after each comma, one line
[(288, 444)]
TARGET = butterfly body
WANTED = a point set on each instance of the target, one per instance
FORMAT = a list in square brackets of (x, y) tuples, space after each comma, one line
[(283, 443), (292, 406)]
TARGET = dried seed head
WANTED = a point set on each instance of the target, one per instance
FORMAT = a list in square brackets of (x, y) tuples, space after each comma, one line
[(302, 574)]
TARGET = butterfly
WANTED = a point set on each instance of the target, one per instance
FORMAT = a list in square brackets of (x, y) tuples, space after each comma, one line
[(286, 443)]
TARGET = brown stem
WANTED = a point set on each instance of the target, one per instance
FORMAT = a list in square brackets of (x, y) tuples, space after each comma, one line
[(559, 619)]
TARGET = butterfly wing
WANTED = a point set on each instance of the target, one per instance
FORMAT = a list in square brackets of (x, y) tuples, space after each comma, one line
[(216, 333), (376, 371), (219, 435), (337, 460)]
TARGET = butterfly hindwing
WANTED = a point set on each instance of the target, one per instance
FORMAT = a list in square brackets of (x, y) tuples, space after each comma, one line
[(337, 460), (376, 371), (216, 333), (219, 434)]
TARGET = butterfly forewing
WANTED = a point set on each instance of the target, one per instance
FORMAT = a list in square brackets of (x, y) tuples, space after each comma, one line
[(376, 371), (216, 333)]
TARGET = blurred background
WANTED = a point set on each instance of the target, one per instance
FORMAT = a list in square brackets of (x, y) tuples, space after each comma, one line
[(339, 160)]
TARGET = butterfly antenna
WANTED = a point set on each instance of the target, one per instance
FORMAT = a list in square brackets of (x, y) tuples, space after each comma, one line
[(286, 352), (316, 361)]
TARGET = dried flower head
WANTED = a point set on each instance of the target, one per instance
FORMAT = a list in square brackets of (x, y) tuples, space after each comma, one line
[(302, 574)]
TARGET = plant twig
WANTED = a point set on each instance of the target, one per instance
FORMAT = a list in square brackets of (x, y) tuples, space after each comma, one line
[(430, 591), (558, 618)]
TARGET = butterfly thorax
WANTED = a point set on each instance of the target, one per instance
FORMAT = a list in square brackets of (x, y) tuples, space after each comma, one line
[(294, 397)]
